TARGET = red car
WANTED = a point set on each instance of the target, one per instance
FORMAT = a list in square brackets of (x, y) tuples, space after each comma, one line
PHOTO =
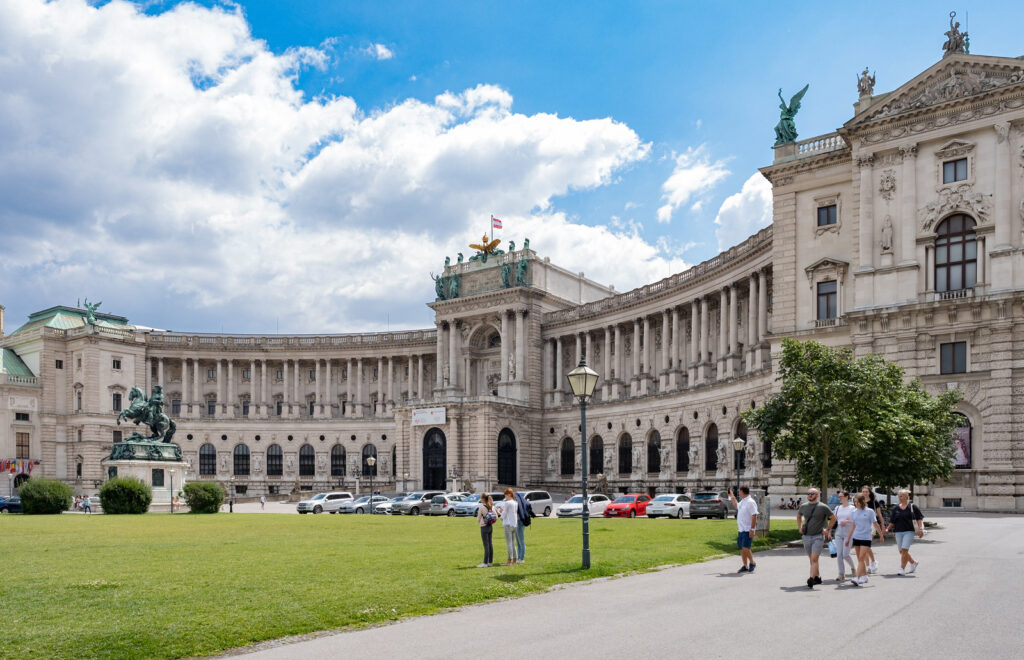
[(628, 506)]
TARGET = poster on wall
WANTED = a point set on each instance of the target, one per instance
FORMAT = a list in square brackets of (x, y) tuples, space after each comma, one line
[(962, 440), (428, 416)]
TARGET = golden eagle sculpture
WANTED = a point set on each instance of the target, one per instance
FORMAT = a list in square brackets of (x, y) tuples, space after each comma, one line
[(485, 246)]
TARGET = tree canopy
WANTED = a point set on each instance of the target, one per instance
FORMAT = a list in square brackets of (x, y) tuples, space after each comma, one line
[(855, 421)]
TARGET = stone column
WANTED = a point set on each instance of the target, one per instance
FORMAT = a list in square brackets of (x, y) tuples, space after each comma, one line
[(440, 356), (197, 390), (505, 341), (634, 381), (329, 397), (220, 392), (148, 366), (751, 321), (694, 343), (723, 332), (558, 371), (350, 376), (734, 348), (908, 206), (702, 363), (1003, 199), (230, 407), (620, 365), (254, 409), (379, 408), (521, 344), (606, 365), (318, 399), (672, 363), (160, 372), (419, 379), (263, 388), (762, 306), (286, 407), (646, 361), (867, 212), (453, 360), (359, 387), (391, 383), (547, 371), (298, 399), (186, 406)]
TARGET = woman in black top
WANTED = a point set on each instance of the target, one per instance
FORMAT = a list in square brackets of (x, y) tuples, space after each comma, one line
[(903, 519)]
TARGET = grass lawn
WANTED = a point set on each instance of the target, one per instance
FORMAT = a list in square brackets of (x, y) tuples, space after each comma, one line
[(170, 586)]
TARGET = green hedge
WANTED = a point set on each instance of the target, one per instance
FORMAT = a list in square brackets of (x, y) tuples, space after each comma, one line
[(125, 495), (203, 496), (42, 496)]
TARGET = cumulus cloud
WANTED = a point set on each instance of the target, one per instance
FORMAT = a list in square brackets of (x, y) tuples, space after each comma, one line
[(694, 174), (169, 165), (744, 213), (379, 51)]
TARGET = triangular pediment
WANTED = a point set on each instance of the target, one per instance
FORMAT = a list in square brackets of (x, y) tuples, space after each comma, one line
[(948, 81), (827, 262)]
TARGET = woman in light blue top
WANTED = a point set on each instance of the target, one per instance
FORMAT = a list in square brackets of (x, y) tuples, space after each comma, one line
[(863, 520)]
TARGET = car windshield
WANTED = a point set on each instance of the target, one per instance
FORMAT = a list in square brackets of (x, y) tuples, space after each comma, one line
[(319, 496), (706, 496), (415, 496), (664, 498), (625, 499), (398, 499), (472, 498), (362, 499), (575, 499)]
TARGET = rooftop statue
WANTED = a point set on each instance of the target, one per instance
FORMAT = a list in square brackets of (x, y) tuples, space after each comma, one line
[(521, 267), (866, 83), (460, 257), (440, 286), (485, 248), (90, 311), (785, 130), (956, 41)]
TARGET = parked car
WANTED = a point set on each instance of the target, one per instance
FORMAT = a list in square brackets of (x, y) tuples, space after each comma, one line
[(627, 506), (468, 506), (709, 504), (385, 507), (540, 502), (10, 504), (669, 505), (360, 505), (415, 504), (323, 502), (573, 508), (443, 505)]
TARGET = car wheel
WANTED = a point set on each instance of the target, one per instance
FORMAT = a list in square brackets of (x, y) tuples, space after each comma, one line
[(680, 514), (360, 510), (5, 510), (451, 513), (547, 511), (414, 511), (632, 514), (318, 509)]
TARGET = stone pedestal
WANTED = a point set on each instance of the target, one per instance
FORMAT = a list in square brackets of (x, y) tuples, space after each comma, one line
[(149, 462)]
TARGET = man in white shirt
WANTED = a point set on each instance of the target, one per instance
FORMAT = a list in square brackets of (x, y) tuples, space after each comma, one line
[(746, 521)]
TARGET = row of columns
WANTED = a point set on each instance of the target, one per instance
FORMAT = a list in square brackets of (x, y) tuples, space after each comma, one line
[(457, 364), (326, 391), (682, 364)]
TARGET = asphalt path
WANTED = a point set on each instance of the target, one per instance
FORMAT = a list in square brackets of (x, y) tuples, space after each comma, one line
[(964, 601)]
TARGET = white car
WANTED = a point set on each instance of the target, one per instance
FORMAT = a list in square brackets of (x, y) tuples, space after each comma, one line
[(573, 508), (385, 507), (360, 505), (323, 502), (671, 505)]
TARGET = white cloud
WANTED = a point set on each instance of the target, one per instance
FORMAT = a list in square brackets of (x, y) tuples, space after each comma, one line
[(168, 165), (694, 175), (744, 213), (379, 51)]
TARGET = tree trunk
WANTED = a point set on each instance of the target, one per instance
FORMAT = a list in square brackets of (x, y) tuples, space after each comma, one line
[(824, 471)]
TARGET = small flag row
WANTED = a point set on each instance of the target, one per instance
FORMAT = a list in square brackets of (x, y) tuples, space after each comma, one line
[(17, 466)]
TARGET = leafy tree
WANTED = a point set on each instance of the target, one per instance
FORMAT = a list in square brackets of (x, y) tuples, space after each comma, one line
[(853, 421)]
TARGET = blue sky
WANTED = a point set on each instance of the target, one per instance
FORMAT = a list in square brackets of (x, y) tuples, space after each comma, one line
[(304, 166)]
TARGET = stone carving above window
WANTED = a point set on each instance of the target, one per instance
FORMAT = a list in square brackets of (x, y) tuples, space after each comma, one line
[(955, 84), (954, 149), (961, 198), (887, 185), (822, 201)]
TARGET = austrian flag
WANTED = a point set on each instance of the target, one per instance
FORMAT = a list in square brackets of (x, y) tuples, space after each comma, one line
[(495, 223)]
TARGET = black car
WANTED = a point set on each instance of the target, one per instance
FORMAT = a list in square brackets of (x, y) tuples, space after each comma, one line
[(10, 504)]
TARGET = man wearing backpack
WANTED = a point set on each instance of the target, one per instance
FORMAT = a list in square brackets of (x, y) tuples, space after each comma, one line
[(524, 512)]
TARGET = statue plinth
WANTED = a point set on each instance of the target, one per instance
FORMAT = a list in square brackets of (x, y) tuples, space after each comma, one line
[(139, 448)]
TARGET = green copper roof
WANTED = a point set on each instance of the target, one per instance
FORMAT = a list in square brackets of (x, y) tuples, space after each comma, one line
[(12, 364), (65, 318)]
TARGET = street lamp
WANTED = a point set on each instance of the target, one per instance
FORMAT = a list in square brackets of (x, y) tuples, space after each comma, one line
[(231, 496), (371, 461), (10, 483), (737, 445), (405, 482), (172, 489), (583, 380)]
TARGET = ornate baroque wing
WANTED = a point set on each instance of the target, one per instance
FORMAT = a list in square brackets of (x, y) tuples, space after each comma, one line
[(794, 103)]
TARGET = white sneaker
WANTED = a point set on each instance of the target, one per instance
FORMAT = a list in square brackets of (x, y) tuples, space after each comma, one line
[(913, 567), (874, 567), (900, 572), (841, 578), (482, 565), (863, 579)]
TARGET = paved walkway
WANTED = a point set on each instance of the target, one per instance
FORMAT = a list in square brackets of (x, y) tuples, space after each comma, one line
[(965, 601)]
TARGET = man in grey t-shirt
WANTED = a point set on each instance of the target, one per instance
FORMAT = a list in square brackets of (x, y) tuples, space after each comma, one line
[(814, 519)]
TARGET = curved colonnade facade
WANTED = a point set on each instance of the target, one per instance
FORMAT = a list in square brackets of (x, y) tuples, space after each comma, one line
[(901, 234)]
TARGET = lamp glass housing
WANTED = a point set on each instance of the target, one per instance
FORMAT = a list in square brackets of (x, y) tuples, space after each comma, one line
[(582, 380)]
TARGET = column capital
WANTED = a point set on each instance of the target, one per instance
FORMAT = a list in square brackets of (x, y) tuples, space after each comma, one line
[(865, 160)]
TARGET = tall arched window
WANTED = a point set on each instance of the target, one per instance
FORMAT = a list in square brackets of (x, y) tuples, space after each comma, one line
[(683, 450), (394, 461), (625, 454), (596, 458), (275, 464), (956, 254), (568, 457), (337, 461), (711, 448), (241, 461), (741, 432), (962, 442), (368, 451), (207, 459), (307, 461), (654, 452), (507, 457)]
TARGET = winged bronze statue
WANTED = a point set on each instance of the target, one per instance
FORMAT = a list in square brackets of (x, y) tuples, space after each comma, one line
[(486, 246), (785, 130)]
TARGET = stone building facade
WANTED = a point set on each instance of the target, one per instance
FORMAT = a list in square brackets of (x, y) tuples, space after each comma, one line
[(901, 234)]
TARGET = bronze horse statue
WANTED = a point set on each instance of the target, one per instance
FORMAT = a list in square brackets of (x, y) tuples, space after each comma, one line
[(149, 412)]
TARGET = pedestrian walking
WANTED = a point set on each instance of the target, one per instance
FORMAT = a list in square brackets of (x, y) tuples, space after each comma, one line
[(263, 502), (872, 504), (863, 520), (746, 522), (509, 521), (814, 519), (524, 511), (903, 520), (844, 528), (86, 507), (486, 517)]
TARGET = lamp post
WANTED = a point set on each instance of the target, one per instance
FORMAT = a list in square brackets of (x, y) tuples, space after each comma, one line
[(583, 380), (737, 445), (405, 482), (172, 489), (231, 496), (10, 483), (371, 461)]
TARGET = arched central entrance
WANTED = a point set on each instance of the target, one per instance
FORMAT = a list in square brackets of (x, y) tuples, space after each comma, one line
[(434, 457), (507, 458)]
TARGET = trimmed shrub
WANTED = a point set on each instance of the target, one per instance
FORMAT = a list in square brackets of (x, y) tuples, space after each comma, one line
[(125, 495), (43, 496), (203, 496)]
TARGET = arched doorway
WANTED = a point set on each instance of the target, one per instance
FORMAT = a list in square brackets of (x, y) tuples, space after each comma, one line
[(434, 458), (507, 458), (596, 450)]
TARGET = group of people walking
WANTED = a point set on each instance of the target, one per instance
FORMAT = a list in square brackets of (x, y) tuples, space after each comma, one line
[(514, 513)]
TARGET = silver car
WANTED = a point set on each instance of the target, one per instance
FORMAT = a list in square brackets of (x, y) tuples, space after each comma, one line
[(468, 506), (361, 505), (323, 502), (415, 504), (385, 507), (671, 505), (443, 505)]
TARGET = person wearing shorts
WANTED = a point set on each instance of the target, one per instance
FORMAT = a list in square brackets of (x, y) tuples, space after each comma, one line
[(863, 520), (746, 522), (904, 519), (814, 520)]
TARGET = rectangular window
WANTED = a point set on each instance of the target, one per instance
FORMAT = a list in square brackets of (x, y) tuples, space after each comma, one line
[(78, 400), (211, 407), (246, 374), (280, 374), (176, 406), (312, 405), (21, 417), (79, 435), (78, 470), (954, 170), (953, 358), (116, 403), (116, 436), (280, 406), (211, 374), (79, 363), (827, 300), (116, 364), (245, 409), (60, 364), (21, 445), (158, 478), (827, 215), (312, 375)]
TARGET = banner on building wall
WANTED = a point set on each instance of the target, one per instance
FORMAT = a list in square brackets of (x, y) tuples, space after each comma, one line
[(428, 416), (962, 439)]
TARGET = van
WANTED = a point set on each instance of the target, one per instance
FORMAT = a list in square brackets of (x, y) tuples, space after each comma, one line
[(540, 502)]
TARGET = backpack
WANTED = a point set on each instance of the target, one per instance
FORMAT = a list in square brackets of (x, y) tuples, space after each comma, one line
[(523, 510), (490, 517)]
